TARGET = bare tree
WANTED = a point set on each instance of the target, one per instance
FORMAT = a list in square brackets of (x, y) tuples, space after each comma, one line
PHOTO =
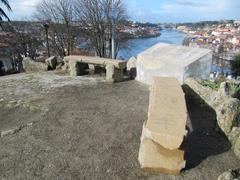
[(96, 17), (25, 38), (59, 15), (2, 13)]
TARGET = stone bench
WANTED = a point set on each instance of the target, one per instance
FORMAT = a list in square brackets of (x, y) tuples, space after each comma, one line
[(114, 68)]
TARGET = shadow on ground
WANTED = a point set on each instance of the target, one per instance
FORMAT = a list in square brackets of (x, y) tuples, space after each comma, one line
[(204, 138)]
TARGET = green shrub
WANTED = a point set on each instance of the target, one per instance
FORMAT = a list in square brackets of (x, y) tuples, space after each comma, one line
[(212, 85), (234, 90)]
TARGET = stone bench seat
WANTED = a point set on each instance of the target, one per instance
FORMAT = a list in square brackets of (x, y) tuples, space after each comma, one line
[(114, 68)]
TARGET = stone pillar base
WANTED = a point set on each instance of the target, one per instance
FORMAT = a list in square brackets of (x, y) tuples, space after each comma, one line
[(77, 69), (113, 74)]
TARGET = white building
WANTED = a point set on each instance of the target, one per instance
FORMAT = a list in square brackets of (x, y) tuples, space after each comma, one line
[(177, 61)]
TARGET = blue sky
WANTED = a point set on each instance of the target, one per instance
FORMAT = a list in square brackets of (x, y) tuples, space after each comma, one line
[(156, 10)]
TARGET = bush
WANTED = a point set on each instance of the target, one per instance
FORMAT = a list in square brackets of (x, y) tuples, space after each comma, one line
[(212, 85), (235, 66), (234, 90)]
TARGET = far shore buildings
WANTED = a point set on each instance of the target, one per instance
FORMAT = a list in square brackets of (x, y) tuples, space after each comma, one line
[(223, 39), (177, 61)]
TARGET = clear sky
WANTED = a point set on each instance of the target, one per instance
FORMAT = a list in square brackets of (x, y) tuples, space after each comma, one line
[(156, 10)]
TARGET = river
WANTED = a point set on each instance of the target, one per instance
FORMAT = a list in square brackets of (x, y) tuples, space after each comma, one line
[(136, 46)]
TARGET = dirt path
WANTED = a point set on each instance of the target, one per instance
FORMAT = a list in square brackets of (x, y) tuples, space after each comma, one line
[(92, 131)]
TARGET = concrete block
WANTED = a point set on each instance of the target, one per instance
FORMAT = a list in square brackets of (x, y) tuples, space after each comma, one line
[(165, 60)]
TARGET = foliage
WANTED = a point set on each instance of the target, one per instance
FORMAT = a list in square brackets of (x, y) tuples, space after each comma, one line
[(25, 40), (235, 66), (212, 85), (234, 90)]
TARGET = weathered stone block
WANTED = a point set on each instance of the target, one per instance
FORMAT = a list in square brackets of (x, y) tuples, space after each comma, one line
[(113, 74), (164, 131), (230, 175), (132, 67), (31, 66), (73, 68), (155, 158), (167, 115), (110, 72)]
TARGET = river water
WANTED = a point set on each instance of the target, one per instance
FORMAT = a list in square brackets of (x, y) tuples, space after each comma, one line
[(135, 46)]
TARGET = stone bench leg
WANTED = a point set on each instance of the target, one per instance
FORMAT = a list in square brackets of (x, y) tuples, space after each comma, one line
[(73, 68), (113, 74), (78, 69)]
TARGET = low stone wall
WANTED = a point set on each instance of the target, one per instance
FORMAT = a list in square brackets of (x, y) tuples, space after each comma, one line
[(227, 110), (31, 66)]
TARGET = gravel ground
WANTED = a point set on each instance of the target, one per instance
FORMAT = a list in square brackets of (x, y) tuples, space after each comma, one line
[(59, 127)]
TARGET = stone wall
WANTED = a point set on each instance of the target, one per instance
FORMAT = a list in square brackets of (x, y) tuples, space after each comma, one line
[(227, 110), (31, 66)]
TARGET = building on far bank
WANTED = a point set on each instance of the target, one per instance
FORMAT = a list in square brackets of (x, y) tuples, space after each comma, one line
[(177, 61)]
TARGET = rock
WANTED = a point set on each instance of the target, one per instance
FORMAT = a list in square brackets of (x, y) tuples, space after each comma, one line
[(230, 175), (33, 108), (236, 148), (65, 67), (227, 112), (227, 109), (223, 90), (132, 67), (51, 62), (194, 88), (31, 66), (220, 79), (9, 132), (234, 135), (131, 63), (59, 67), (155, 158)]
